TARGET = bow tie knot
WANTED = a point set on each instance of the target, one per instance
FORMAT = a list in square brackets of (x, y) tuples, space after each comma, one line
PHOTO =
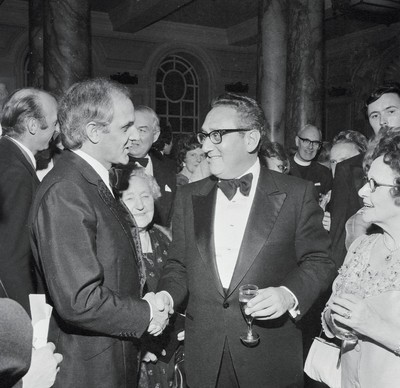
[(142, 161), (229, 186)]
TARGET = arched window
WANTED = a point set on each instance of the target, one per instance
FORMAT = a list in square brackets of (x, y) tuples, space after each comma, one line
[(177, 95)]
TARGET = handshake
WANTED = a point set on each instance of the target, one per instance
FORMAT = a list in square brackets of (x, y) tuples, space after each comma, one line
[(161, 305)]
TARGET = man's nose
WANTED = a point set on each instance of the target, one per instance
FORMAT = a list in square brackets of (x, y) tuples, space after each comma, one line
[(207, 145), (383, 120), (134, 133)]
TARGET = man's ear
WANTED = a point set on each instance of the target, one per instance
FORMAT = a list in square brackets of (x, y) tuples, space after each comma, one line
[(296, 139), (32, 125), (93, 132), (156, 135), (252, 140)]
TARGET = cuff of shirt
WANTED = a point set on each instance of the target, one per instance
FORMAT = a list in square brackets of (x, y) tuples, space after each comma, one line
[(169, 296), (294, 311)]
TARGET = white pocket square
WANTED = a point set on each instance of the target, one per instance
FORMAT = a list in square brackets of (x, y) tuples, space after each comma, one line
[(317, 184), (166, 188)]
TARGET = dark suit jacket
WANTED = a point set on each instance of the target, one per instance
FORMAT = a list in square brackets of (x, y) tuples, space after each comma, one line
[(15, 343), (345, 202), (316, 173), (284, 245), (18, 184), (164, 170), (83, 246)]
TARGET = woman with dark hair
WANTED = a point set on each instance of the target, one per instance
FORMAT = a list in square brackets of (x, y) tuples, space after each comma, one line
[(190, 156), (274, 156), (363, 310)]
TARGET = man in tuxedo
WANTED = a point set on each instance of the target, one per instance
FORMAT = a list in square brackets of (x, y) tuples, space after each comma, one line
[(146, 132), (29, 121), (383, 110), (268, 233), (302, 165), (87, 246)]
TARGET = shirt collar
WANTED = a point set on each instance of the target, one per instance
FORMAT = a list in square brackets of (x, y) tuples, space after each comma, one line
[(301, 162), (27, 150), (97, 166)]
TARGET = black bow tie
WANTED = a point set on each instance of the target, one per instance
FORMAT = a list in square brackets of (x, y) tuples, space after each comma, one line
[(229, 186), (142, 161)]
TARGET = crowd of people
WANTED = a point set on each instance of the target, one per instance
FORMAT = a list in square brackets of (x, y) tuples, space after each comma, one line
[(140, 242)]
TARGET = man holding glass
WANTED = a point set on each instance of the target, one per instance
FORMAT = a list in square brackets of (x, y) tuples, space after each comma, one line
[(244, 225)]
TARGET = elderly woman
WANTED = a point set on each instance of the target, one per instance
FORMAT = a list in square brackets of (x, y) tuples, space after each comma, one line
[(190, 158), (363, 309), (139, 196)]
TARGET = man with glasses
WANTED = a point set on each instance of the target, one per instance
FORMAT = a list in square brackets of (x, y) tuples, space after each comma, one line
[(308, 142), (244, 225)]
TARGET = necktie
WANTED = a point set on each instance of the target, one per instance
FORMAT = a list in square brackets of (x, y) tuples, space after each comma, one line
[(229, 186), (142, 161)]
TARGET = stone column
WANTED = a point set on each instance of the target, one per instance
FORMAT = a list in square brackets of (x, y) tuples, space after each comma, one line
[(304, 66), (35, 68), (272, 66), (67, 43)]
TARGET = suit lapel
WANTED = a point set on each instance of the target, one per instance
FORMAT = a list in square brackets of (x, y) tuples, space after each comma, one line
[(203, 213), (267, 203)]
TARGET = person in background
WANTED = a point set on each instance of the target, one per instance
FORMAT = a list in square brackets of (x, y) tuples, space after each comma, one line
[(274, 156), (140, 190), (29, 121), (190, 156), (323, 156), (382, 109), (145, 133), (308, 142), (345, 145), (368, 284), (164, 142)]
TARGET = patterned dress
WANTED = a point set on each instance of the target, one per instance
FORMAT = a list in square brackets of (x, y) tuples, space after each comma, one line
[(367, 364), (159, 374)]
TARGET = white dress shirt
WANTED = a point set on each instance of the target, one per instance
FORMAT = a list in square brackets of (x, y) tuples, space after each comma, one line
[(97, 166), (229, 225)]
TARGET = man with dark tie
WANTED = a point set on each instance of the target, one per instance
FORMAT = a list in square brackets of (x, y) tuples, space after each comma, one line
[(29, 121), (87, 246), (163, 169), (244, 225)]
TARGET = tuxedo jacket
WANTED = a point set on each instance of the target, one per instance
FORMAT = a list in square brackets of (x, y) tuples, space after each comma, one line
[(164, 171), (284, 244), (345, 202), (15, 343), (316, 173), (88, 260), (18, 184)]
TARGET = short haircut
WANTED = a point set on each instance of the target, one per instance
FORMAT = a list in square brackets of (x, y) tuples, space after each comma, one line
[(156, 120), (376, 94), (19, 106), (185, 144), (386, 144), (273, 150), (352, 137), (85, 102), (250, 112), (165, 138)]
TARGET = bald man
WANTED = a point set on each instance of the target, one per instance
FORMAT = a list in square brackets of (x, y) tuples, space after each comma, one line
[(302, 165)]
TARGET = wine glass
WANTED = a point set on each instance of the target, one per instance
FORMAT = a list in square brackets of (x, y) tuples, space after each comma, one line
[(246, 293)]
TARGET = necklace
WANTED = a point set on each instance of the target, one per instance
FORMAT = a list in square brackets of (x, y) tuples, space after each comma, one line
[(391, 251)]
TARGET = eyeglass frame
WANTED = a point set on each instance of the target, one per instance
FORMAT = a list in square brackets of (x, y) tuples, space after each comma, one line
[(375, 184), (309, 142), (221, 133)]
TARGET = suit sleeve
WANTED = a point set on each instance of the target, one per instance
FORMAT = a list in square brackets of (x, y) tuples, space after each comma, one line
[(315, 270), (65, 231), (173, 278)]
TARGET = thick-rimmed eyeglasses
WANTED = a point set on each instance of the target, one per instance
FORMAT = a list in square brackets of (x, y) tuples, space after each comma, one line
[(216, 135), (373, 184), (308, 142)]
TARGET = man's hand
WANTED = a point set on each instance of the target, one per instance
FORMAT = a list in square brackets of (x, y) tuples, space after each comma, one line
[(44, 367), (270, 303), (162, 309)]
